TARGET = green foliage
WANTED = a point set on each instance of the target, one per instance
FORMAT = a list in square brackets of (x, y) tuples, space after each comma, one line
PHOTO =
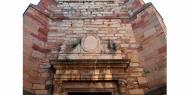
[(112, 46), (146, 71), (75, 43)]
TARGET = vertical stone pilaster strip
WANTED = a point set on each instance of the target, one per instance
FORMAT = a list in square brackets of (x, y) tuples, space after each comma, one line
[(57, 88), (122, 86)]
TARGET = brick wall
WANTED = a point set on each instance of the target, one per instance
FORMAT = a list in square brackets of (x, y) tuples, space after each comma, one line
[(34, 41), (150, 33), (78, 23), (69, 31), (122, 30)]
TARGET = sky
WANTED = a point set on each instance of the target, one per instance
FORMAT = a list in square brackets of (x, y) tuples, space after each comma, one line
[(176, 16)]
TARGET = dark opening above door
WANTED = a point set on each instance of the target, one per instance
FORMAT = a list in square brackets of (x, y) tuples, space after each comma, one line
[(89, 93)]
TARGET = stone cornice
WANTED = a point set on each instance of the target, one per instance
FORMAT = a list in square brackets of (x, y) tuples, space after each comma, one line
[(61, 17), (91, 61)]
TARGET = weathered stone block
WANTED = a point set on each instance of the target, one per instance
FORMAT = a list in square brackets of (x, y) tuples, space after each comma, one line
[(45, 66), (44, 75), (41, 92), (48, 82), (125, 45), (38, 86), (37, 54), (136, 92), (134, 64), (162, 50), (137, 69), (43, 70), (115, 25), (149, 32), (142, 81), (118, 34), (138, 74), (133, 57)]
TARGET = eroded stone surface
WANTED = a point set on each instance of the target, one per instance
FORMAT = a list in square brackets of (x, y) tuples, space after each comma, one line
[(93, 29), (90, 43)]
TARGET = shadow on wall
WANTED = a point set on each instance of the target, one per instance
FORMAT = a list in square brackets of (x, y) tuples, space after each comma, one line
[(27, 93), (158, 91)]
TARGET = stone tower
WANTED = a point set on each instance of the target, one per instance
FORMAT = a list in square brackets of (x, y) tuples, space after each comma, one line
[(98, 47)]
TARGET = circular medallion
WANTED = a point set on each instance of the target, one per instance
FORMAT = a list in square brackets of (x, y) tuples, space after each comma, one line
[(90, 43)]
